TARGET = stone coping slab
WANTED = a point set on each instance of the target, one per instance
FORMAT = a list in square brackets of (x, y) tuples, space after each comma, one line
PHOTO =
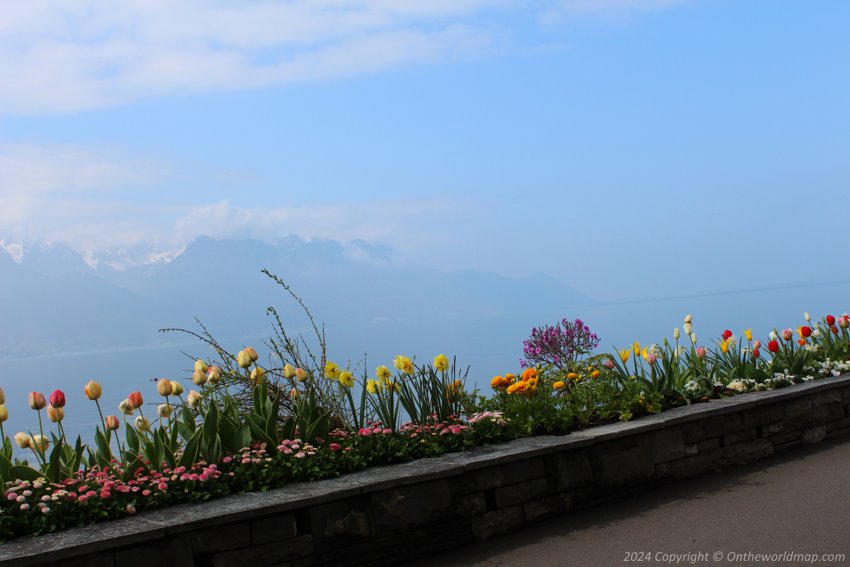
[(184, 518)]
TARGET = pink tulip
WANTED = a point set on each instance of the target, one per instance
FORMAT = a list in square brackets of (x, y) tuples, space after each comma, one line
[(701, 352), (787, 334), (57, 399)]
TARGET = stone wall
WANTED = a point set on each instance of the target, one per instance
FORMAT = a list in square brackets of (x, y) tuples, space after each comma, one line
[(387, 514)]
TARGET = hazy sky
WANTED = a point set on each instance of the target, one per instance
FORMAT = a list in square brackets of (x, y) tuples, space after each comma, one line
[(631, 148)]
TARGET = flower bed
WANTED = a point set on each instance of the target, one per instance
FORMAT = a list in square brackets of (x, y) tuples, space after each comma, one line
[(392, 513), (249, 428)]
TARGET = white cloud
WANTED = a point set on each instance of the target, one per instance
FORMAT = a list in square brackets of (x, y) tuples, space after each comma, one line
[(87, 54)]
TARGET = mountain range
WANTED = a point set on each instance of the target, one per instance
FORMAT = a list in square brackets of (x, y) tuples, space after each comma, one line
[(56, 301)]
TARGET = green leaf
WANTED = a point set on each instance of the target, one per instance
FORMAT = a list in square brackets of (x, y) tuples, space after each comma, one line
[(188, 420), (132, 439), (190, 453), (54, 465), (102, 445), (215, 450), (25, 473)]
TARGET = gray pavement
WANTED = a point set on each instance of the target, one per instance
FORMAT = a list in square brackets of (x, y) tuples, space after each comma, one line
[(794, 503)]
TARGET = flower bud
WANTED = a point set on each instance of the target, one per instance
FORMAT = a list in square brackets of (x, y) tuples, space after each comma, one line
[(142, 423), (689, 319), (293, 394), (756, 344), (4, 413), (40, 442), (164, 387), (609, 364), (36, 400), (257, 374), (194, 399), (176, 388), (55, 414), (135, 400), (700, 352), (201, 365), (112, 422), (23, 440), (688, 328), (164, 410), (787, 334), (214, 375), (748, 334), (807, 316), (2, 396), (199, 378), (300, 374), (252, 353), (676, 333), (288, 371), (243, 359), (126, 407), (93, 390)]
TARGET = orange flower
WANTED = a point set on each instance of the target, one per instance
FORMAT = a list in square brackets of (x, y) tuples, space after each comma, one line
[(573, 376), (802, 342), (529, 373), (594, 374), (558, 385)]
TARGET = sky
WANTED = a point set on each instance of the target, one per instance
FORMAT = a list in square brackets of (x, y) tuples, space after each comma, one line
[(631, 148)]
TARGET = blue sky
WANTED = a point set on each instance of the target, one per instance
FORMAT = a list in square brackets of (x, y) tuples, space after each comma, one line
[(631, 148)]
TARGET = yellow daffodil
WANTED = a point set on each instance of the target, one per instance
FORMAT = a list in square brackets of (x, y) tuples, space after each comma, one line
[(441, 363), (331, 370), (346, 379), (383, 372), (403, 364), (372, 386)]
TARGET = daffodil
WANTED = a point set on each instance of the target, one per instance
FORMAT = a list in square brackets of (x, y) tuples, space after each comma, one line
[(331, 370), (346, 379), (372, 386), (383, 372), (403, 364), (441, 363)]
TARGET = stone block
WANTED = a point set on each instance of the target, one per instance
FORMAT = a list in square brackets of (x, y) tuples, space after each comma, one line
[(540, 487), (509, 473), (708, 445), (790, 409), (266, 554), (622, 463), (274, 528), (349, 519), (570, 470), (691, 450), (772, 429), (667, 444), (496, 522), (755, 417), (221, 538), (738, 437), (471, 505), (91, 560), (512, 495), (814, 435), (544, 507), (408, 507)]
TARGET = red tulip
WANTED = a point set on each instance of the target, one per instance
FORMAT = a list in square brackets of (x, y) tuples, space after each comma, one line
[(57, 399), (834, 330), (727, 334), (756, 353), (830, 320), (773, 346), (805, 331), (135, 399)]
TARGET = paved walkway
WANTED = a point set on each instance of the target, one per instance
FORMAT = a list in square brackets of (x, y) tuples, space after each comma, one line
[(795, 503)]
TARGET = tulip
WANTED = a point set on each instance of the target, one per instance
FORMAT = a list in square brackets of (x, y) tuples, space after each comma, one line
[(164, 410), (688, 319), (293, 393), (748, 334), (243, 359), (194, 399), (773, 346), (142, 423), (834, 330), (57, 399), (92, 390), (176, 388), (4, 413), (694, 338), (830, 320), (756, 353), (288, 371), (700, 352), (2, 396), (199, 378), (844, 321), (787, 334), (164, 387), (201, 365), (252, 353), (624, 355), (724, 346), (727, 334), (688, 328), (36, 400), (801, 342), (757, 344), (112, 422), (23, 440), (257, 374), (609, 363), (676, 333), (636, 347), (55, 414), (126, 407), (214, 375), (806, 316), (40, 442), (135, 400), (805, 331), (300, 374), (651, 358)]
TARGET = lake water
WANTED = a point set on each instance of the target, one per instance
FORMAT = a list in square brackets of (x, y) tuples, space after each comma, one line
[(489, 345)]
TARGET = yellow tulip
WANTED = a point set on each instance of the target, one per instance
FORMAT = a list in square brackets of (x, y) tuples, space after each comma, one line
[(257, 374), (164, 387), (300, 374), (55, 414), (288, 371), (625, 354), (724, 346), (2, 396), (749, 334), (93, 390), (636, 348), (243, 359), (4, 413), (201, 365), (252, 353), (176, 388), (199, 378), (214, 375)]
